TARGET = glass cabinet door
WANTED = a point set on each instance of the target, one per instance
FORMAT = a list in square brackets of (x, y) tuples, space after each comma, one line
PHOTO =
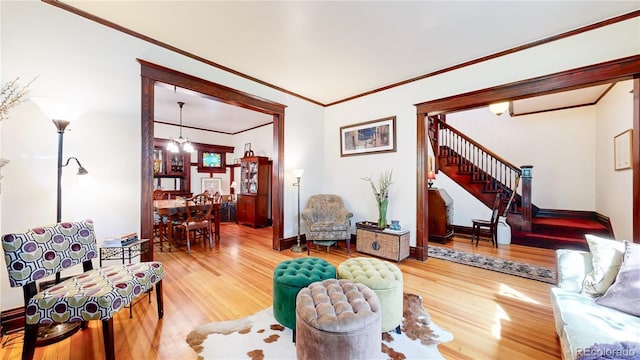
[(249, 177), (158, 161)]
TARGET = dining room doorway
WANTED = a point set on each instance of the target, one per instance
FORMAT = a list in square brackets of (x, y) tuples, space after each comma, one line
[(152, 73)]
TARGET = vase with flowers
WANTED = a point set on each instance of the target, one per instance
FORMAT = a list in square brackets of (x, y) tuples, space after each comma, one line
[(381, 193)]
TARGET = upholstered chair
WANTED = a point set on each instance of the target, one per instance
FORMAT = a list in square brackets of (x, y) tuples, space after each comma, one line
[(327, 221), (94, 294)]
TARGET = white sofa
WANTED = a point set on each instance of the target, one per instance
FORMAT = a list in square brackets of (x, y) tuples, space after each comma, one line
[(580, 322)]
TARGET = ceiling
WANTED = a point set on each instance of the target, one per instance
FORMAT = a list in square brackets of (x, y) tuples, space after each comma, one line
[(328, 51)]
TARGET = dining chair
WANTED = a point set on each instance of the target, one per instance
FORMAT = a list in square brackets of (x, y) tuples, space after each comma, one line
[(491, 224), (160, 223), (198, 220)]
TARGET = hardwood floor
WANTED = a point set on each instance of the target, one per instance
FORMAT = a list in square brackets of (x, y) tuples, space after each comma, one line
[(491, 315)]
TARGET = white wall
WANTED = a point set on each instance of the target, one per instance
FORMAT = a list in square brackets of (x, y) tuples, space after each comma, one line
[(614, 189), (559, 144), (86, 63), (342, 175)]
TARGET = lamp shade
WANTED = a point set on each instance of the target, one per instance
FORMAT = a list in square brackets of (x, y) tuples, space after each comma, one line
[(298, 173), (499, 108), (431, 175), (57, 110)]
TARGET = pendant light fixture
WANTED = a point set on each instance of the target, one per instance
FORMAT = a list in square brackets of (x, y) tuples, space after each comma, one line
[(175, 145)]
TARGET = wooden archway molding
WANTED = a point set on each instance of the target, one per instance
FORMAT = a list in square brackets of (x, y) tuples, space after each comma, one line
[(152, 73), (606, 72)]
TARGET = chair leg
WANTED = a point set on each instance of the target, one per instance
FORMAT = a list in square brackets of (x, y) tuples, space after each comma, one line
[(159, 299), (188, 241), (30, 338), (107, 334)]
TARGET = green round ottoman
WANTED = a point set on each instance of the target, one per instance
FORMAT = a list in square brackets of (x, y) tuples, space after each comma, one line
[(385, 279), (289, 277)]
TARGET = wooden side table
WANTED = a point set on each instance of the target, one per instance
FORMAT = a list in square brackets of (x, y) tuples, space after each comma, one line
[(388, 244)]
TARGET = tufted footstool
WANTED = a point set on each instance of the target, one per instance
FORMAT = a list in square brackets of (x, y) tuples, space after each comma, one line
[(338, 319), (289, 277), (382, 277)]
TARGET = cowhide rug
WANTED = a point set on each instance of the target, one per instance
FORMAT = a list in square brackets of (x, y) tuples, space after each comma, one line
[(260, 336)]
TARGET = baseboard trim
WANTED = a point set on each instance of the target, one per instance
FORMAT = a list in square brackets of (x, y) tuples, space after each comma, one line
[(12, 320)]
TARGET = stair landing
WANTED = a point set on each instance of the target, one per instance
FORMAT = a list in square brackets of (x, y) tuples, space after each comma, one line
[(559, 233)]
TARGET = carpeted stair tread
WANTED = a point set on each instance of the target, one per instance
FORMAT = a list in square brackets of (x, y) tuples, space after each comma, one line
[(549, 241), (573, 223)]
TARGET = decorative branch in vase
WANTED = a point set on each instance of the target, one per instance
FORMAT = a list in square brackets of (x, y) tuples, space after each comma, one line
[(381, 194), (12, 94)]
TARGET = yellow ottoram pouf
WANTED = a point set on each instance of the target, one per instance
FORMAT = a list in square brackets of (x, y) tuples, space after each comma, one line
[(385, 279)]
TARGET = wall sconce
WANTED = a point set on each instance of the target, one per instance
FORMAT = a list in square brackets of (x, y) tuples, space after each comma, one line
[(431, 175), (499, 108), (298, 174)]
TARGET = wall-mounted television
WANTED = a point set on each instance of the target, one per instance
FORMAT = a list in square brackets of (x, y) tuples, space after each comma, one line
[(211, 161)]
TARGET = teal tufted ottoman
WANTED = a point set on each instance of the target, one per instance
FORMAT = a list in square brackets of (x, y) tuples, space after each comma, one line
[(385, 279), (289, 277)]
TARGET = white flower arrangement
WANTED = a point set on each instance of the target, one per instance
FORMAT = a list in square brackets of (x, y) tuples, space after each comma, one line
[(382, 192)]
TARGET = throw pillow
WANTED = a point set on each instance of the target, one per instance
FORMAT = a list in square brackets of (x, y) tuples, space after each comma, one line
[(624, 294), (606, 258)]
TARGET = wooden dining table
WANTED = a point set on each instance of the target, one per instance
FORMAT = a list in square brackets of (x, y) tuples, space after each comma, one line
[(176, 209)]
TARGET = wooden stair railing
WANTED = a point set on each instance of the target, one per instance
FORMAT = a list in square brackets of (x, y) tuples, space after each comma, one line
[(483, 166)]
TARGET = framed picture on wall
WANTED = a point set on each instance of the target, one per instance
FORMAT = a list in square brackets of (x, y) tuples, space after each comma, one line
[(213, 185), (211, 161), (376, 136), (622, 151)]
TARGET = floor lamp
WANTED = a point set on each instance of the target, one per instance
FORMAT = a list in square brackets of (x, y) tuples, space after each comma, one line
[(56, 111), (298, 247)]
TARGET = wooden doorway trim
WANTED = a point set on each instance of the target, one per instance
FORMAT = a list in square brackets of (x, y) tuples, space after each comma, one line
[(152, 73), (602, 73)]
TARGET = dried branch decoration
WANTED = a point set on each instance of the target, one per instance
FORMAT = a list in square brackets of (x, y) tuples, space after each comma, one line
[(12, 94)]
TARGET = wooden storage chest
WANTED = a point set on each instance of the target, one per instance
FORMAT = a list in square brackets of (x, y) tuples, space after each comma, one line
[(392, 245)]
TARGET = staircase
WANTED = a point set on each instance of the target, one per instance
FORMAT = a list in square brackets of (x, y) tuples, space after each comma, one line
[(483, 173)]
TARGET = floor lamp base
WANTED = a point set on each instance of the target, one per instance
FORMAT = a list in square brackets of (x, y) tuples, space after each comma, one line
[(49, 334), (298, 248)]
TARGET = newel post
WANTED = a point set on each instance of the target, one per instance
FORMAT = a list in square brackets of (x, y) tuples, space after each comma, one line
[(526, 197)]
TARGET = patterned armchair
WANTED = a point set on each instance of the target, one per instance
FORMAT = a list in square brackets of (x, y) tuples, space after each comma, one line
[(327, 221), (95, 294)]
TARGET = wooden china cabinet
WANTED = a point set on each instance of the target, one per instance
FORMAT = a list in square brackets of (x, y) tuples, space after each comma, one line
[(176, 167), (253, 198)]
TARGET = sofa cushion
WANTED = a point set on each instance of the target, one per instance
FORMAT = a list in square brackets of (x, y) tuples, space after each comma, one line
[(581, 322), (606, 259), (573, 266), (624, 294)]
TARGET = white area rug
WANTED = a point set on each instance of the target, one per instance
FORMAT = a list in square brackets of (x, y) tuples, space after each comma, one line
[(260, 336)]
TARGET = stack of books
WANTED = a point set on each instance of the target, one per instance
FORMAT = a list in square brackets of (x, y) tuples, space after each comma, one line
[(120, 241)]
